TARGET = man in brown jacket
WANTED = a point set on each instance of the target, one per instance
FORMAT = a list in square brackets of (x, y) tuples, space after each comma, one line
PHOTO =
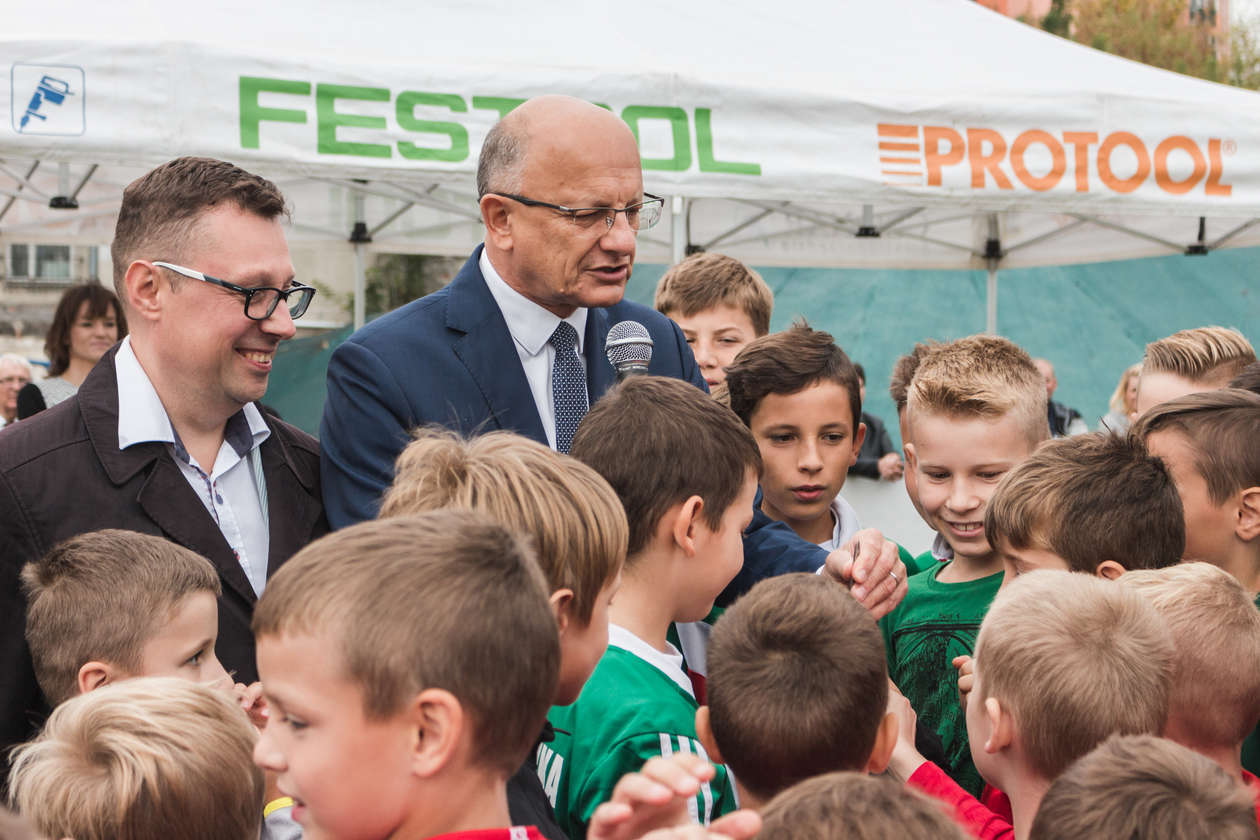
[(164, 436)]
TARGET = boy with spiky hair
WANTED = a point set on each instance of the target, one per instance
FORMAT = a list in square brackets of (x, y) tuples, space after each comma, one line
[(720, 304), (1190, 361), (408, 664), (1094, 503), (1142, 787), (975, 409)]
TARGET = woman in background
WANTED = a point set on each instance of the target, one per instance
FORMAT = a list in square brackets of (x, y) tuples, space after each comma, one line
[(1123, 403), (88, 322)]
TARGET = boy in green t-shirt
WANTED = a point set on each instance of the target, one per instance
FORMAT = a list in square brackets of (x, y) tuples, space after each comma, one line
[(898, 389), (976, 408), (685, 470)]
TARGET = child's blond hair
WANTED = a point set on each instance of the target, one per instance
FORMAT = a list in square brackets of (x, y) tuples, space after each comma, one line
[(1088, 499), (857, 807), (1216, 628), (1209, 356), (981, 376), (575, 519), (1141, 787), (1074, 659), (447, 599), (705, 280), (101, 596), (145, 758), (795, 641)]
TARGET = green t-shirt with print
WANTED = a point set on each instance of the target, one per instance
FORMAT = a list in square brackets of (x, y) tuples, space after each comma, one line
[(935, 623)]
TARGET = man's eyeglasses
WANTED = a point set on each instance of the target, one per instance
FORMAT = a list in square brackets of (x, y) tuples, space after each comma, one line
[(641, 216), (260, 301)]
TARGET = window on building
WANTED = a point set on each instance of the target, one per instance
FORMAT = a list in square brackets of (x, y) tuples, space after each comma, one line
[(52, 262), (19, 261)]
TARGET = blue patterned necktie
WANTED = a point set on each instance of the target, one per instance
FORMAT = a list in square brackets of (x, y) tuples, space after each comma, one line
[(568, 385)]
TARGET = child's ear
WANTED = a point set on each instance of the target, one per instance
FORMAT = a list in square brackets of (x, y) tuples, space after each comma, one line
[(95, 674), (685, 521), (912, 459), (1109, 570), (704, 734), (439, 726), (885, 741), (1001, 727), (1248, 525), (562, 608), (858, 439)]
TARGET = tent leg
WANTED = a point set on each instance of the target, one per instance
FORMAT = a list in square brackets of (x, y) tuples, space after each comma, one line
[(679, 233), (359, 237), (991, 302)]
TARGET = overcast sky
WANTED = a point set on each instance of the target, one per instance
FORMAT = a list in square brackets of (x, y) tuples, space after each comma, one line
[(1240, 10)]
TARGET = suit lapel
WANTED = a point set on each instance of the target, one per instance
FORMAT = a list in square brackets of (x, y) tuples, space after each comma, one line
[(600, 375), (486, 349), (292, 506)]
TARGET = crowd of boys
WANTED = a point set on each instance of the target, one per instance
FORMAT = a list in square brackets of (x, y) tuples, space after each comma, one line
[(528, 644)]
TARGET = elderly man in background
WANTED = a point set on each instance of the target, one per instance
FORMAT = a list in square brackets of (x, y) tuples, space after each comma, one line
[(15, 372)]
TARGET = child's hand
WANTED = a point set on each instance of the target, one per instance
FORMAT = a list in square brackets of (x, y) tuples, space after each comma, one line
[(251, 700), (905, 756), (652, 799), (966, 678), (890, 467), (737, 825)]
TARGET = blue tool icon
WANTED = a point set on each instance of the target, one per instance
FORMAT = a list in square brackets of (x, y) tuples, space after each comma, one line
[(51, 90)]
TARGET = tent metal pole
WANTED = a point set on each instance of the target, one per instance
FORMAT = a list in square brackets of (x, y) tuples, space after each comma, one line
[(359, 237), (991, 300), (22, 183), (679, 234)]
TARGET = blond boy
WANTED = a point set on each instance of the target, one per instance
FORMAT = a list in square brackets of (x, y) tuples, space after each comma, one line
[(408, 664), (685, 469), (1208, 443), (1215, 699), (975, 409), (150, 757), (1141, 787), (1062, 662), (1095, 503), (720, 304), (798, 687), (579, 529), (113, 604), (857, 807), (1190, 361)]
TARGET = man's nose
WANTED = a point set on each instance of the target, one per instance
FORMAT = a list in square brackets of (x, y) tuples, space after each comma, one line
[(279, 323), (620, 238)]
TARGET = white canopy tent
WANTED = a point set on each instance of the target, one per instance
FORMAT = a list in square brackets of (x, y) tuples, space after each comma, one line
[(898, 133)]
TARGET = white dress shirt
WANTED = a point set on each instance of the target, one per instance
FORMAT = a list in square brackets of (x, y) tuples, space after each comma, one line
[(531, 327), (229, 490), (846, 526)]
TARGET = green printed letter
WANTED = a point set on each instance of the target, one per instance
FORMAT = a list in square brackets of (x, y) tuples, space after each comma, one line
[(252, 114), (502, 104), (704, 149), (329, 120), (405, 109), (677, 117)]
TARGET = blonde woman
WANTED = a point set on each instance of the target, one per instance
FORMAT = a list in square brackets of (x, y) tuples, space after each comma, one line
[(1123, 402)]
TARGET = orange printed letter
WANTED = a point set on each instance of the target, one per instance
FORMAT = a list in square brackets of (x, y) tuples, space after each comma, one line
[(934, 157), (1080, 142), (1214, 185), (990, 162), (1123, 138), (1058, 160), (1165, 181)]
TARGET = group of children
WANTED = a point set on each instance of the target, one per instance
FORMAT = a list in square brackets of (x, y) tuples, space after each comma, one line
[(501, 653)]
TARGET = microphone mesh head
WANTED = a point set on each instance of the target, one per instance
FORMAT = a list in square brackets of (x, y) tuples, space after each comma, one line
[(628, 342)]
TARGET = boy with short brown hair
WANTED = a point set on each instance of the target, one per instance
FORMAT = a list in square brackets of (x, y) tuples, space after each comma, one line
[(975, 409), (408, 664), (857, 807), (685, 470), (149, 757), (1215, 699), (113, 604), (720, 304), (799, 395), (1190, 361), (1208, 443), (1095, 503), (798, 687), (1062, 662), (1141, 787), (579, 529)]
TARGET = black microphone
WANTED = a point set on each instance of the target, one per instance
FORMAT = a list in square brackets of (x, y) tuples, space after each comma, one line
[(629, 348)]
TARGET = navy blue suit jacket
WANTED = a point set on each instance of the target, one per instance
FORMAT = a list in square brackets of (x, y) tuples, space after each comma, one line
[(449, 359)]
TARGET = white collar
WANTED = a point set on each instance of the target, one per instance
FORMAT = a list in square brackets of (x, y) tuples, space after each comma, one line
[(669, 663), (142, 417), (531, 325)]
